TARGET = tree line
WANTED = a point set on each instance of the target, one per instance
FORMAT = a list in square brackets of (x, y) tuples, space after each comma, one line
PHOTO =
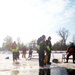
[(64, 34), (60, 45)]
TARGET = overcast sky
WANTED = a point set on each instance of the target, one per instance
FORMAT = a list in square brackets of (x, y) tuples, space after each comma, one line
[(29, 19)]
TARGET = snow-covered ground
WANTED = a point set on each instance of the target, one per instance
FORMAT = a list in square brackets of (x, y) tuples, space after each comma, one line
[(8, 68), (26, 67)]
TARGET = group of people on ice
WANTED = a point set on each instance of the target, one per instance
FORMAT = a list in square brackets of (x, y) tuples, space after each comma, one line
[(44, 48), (16, 54)]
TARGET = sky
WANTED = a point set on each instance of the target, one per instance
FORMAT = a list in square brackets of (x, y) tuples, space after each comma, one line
[(29, 19)]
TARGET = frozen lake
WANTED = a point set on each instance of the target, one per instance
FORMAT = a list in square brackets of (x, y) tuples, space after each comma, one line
[(28, 67)]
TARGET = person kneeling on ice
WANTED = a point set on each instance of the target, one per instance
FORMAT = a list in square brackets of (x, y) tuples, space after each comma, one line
[(71, 51), (14, 50)]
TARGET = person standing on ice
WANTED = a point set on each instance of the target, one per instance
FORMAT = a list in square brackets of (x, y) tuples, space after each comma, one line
[(14, 50), (30, 52), (24, 52), (41, 47), (49, 48)]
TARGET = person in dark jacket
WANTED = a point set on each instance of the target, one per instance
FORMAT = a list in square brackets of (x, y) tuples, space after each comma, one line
[(41, 51), (71, 51), (38, 44), (30, 52), (49, 48)]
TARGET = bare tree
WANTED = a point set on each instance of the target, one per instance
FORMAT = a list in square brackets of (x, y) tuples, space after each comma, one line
[(63, 33), (7, 42), (18, 42), (73, 39)]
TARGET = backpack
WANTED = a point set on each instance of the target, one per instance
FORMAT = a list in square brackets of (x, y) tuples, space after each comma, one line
[(38, 41)]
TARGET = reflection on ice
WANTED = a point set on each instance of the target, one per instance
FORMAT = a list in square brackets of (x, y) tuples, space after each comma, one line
[(14, 72), (53, 71)]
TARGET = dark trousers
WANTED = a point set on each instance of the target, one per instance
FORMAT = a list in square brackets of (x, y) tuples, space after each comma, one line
[(17, 55), (69, 56), (73, 58), (41, 58), (14, 56), (49, 56)]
